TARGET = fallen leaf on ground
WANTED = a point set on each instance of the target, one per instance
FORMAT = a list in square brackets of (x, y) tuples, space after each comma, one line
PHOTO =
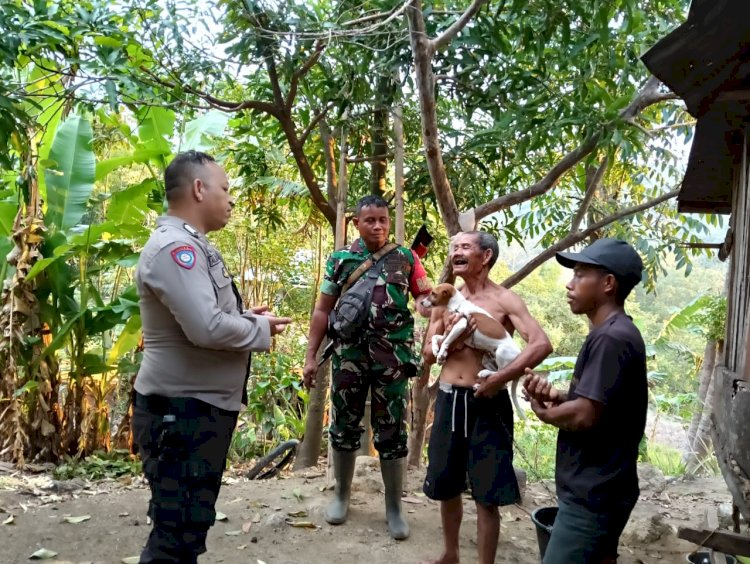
[(242, 547), (232, 533), (256, 518), (296, 492), (43, 554), (408, 499), (246, 527), (9, 520), (301, 524), (131, 560), (123, 514), (78, 519), (298, 514), (220, 516)]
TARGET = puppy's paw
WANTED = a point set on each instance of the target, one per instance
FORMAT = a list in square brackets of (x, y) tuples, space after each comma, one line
[(485, 373), (442, 357)]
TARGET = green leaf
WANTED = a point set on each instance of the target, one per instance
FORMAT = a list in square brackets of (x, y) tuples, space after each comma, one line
[(40, 266), (127, 340), (131, 204), (8, 211), (62, 334), (106, 41), (70, 184), (103, 168), (197, 131), (157, 125), (29, 386)]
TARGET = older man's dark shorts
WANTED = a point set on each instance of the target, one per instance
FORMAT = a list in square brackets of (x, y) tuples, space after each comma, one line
[(471, 444)]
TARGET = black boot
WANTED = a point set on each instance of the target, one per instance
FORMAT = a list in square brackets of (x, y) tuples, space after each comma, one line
[(343, 470), (393, 480)]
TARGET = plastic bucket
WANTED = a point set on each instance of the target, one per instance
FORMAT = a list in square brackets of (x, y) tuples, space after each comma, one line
[(704, 557), (543, 519)]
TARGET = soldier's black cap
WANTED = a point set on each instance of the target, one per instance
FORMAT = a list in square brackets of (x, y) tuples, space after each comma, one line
[(614, 255)]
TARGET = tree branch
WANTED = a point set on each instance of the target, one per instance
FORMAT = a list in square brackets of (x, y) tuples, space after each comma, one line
[(315, 120), (591, 190), (579, 236), (447, 36), (302, 71), (648, 95), (544, 185), (218, 103), (273, 76), (421, 50)]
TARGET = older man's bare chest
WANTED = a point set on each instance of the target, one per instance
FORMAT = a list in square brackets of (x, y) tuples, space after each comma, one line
[(491, 302)]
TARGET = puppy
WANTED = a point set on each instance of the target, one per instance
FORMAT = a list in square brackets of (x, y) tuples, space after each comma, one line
[(490, 336)]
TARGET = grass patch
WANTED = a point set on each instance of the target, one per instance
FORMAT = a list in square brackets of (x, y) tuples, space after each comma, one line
[(99, 465), (535, 449), (666, 459)]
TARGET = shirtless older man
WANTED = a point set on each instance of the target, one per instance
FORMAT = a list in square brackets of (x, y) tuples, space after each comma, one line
[(472, 434)]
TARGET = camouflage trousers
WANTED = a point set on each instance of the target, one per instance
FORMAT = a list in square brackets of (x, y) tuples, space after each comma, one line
[(183, 461), (354, 374)]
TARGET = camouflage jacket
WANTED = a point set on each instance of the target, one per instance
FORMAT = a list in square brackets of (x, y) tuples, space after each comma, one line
[(390, 320)]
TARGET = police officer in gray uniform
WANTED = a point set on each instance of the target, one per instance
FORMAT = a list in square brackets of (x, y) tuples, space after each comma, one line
[(197, 344)]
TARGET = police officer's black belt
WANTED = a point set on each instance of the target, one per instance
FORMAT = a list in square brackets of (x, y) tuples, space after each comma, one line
[(162, 405)]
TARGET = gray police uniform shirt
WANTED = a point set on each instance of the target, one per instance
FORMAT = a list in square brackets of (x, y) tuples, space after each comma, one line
[(196, 339)]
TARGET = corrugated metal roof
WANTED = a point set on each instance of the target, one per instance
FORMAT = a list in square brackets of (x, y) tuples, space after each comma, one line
[(704, 56)]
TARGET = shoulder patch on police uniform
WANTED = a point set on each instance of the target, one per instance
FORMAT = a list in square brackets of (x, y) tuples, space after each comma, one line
[(184, 256)]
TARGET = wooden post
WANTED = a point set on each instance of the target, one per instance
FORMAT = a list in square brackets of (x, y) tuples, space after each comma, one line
[(339, 241), (398, 150)]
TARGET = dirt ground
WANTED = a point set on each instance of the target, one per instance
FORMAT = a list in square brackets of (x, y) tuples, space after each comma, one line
[(261, 518)]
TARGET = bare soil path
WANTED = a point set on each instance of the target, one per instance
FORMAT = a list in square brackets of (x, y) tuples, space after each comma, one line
[(261, 519)]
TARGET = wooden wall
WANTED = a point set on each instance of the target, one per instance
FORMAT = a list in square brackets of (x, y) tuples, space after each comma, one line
[(730, 432), (739, 287)]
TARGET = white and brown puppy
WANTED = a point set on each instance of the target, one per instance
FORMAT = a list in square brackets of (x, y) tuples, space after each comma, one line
[(490, 336)]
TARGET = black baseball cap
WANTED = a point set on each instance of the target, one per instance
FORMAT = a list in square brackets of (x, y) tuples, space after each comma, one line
[(614, 255)]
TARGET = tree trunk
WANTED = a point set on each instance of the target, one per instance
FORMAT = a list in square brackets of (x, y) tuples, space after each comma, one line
[(398, 161), (420, 402), (309, 451), (423, 50), (704, 379), (379, 148), (701, 445)]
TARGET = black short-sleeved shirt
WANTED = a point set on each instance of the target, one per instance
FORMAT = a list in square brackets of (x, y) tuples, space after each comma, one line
[(597, 467)]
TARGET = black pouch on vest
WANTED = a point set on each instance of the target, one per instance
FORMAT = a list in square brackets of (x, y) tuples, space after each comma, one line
[(347, 321)]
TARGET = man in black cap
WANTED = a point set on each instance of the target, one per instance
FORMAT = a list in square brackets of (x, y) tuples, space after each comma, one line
[(603, 415)]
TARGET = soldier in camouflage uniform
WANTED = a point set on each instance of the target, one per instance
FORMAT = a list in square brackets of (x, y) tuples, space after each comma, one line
[(380, 359)]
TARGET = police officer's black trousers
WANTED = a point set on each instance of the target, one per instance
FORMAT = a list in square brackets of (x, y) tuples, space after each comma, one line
[(184, 455)]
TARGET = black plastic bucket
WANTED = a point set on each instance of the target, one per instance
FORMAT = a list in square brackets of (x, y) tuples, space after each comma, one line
[(543, 519), (704, 557)]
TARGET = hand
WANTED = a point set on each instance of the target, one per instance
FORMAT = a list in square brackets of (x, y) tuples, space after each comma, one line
[(539, 409), (310, 373), (538, 388), (471, 326), (277, 324), (488, 387), (260, 310)]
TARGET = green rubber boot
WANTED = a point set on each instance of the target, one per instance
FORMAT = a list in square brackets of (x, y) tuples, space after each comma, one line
[(343, 470), (393, 480)]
